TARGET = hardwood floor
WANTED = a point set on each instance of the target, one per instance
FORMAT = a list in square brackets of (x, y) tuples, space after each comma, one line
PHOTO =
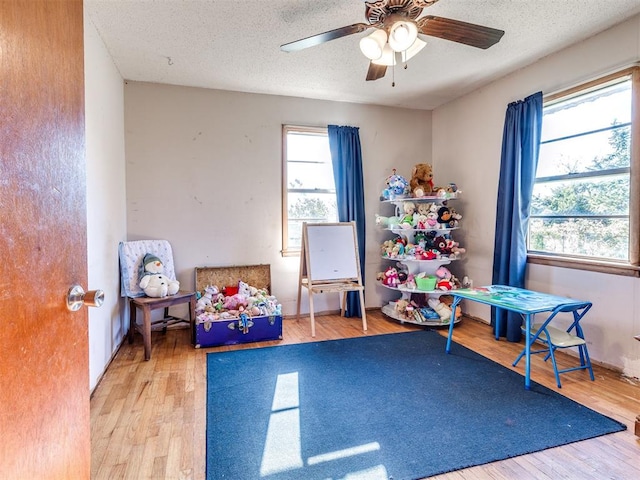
[(148, 418)]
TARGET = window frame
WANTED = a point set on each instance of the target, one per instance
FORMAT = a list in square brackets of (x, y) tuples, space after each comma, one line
[(632, 267), (288, 251)]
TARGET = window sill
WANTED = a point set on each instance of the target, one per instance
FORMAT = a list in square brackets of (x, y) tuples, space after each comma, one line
[(599, 266), (291, 252)]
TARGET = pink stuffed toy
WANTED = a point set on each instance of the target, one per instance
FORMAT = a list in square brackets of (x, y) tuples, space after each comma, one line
[(445, 279), (233, 302), (391, 278)]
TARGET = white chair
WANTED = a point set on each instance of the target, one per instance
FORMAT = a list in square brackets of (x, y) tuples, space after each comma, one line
[(131, 255)]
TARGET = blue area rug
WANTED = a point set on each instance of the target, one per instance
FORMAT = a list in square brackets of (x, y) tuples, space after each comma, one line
[(379, 407)]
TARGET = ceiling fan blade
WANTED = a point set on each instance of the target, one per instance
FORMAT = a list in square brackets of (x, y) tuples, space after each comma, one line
[(461, 32), (324, 37), (376, 71)]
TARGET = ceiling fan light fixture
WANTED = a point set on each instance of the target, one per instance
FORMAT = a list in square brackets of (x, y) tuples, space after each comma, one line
[(388, 57), (372, 46), (413, 50), (402, 35)]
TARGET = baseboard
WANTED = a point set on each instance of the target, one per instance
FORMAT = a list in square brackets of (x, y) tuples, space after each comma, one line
[(106, 367), (325, 312)]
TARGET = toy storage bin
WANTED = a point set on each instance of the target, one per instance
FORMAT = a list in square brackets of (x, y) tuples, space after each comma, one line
[(232, 331)]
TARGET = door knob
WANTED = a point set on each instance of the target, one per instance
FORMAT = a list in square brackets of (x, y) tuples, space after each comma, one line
[(78, 297)]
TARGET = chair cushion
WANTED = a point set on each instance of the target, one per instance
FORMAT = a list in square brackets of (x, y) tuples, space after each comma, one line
[(559, 338), (131, 255)]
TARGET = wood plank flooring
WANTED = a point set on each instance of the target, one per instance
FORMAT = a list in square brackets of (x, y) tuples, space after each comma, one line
[(148, 418)]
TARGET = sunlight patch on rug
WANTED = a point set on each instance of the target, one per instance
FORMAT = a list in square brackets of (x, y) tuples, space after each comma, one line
[(282, 448)]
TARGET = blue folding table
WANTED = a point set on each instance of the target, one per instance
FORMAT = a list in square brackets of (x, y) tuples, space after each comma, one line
[(527, 303)]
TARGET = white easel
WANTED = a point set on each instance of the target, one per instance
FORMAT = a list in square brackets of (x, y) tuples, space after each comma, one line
[(330, 262)]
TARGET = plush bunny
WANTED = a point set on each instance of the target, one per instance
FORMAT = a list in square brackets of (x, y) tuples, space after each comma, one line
[(209, 297)]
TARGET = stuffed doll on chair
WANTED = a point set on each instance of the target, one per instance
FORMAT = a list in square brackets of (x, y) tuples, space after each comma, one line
[(153, 282)]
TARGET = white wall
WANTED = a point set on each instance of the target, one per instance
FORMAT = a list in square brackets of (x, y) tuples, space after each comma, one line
[(467, 136), (204, 172), (106, 196)]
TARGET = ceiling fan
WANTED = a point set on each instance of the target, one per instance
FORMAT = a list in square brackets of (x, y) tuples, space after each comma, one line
[(395, 38)]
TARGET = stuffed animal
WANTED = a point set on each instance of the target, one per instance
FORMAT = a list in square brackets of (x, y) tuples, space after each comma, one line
[(448, 301), (401, 307), (403, 272), (235, 301), (388, 222), (421, 182), (445, 218), (397, 187), (153, 282), (244, 289), (455, 248), (440, 244), (406, 221), (455, 217), (207, 298), (424, 208), (443, 311), (445, 279), (391, 277), (387, 248)]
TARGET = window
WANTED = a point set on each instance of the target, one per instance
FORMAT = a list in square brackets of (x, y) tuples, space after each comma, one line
[(581, 212), (308, 187)]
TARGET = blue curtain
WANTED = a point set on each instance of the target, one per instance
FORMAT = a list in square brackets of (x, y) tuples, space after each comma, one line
[(346, 156), (520, 147)]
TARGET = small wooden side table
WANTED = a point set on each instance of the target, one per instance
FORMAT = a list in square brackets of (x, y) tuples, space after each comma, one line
[(147, 304)]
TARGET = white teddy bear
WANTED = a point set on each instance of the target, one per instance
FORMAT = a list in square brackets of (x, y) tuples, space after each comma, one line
[(153, 282)]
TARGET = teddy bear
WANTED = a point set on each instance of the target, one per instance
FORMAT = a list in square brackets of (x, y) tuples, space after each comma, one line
[(153, 282), (421, 182)]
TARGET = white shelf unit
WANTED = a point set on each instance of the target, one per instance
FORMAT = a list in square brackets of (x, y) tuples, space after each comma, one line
[(416, 266)]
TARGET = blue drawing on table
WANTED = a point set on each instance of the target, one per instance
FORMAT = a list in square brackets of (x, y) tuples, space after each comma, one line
[(512, 297)]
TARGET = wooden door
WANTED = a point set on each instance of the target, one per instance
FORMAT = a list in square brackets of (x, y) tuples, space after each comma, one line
[(44, 367)]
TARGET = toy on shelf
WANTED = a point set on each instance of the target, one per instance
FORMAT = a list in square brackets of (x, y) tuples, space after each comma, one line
[(407, 220), (421, 182), (396, 187)]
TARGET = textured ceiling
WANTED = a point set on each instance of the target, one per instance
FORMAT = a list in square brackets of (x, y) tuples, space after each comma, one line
[(234, 45)]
